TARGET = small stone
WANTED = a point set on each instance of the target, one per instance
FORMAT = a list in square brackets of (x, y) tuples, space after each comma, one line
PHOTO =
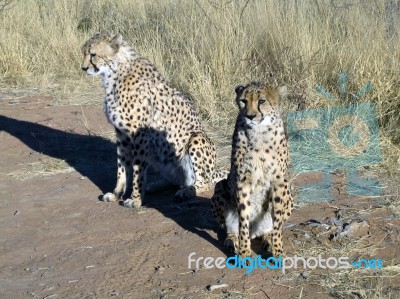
[(216, 286), (304, 275), (355, 229)]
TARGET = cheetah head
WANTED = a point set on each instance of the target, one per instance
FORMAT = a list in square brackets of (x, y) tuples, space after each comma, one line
[(258, 103), (99, 53)]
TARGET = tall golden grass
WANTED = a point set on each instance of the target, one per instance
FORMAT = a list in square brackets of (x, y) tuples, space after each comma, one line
[(207, 47)]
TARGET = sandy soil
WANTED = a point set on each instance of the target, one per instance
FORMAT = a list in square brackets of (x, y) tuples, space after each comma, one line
[(59, 241)]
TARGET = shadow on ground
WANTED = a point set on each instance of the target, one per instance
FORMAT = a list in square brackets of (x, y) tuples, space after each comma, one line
[(94, 157), (89, 155)]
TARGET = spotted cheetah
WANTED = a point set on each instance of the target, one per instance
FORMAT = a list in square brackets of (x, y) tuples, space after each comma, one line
[(155, 124), (257, 185)]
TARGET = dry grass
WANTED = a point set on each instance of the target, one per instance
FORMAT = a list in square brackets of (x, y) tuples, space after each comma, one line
[(208, 47), (353, 282), (44, 167)]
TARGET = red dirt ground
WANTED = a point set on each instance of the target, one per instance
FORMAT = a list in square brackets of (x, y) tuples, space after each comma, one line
[(59, 241)]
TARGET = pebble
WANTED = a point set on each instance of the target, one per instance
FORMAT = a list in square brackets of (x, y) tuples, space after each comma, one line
[(216, 286), (304, 275)]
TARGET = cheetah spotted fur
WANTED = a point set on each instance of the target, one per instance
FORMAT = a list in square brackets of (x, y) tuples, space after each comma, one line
[(255, 199), (155, 124)]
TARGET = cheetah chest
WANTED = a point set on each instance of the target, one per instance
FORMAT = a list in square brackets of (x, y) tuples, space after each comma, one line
[(261, 165)]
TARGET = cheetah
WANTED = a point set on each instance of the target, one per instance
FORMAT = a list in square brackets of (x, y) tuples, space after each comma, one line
[(255, 199), (156, 125)]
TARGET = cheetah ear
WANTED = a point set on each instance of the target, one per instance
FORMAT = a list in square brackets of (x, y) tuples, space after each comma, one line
[(282, 90), (103, 36), (116, 42), (239, 89)]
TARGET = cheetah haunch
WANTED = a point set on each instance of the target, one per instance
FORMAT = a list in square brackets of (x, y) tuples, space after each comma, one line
[(155, 124), (255, 199)]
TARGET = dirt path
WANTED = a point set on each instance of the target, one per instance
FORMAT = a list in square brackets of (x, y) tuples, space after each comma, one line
[(59, 241)]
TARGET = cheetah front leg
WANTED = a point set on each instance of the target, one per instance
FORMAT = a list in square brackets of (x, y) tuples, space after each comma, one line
[(139, 181), (287, 200), (281, 208), (226, 214), (244, 211), (200, 167), (124, 157)]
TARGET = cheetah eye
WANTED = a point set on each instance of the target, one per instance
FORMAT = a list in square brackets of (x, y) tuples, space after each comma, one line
[(244, 101), (261, 102)]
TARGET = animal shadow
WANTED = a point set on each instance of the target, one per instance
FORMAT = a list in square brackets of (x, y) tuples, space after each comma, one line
[(94, 157)]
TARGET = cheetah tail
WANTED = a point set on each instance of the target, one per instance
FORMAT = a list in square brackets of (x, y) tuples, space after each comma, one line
[(219, 175)]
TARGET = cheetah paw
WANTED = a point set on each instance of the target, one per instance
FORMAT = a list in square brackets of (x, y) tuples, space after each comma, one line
[(109, 197), (132, 203), (278, 252), (245, 253), (231, 243), (185, 193)]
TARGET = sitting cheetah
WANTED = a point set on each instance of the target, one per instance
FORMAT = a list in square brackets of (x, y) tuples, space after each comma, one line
[(256, 187), (155, 124)]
